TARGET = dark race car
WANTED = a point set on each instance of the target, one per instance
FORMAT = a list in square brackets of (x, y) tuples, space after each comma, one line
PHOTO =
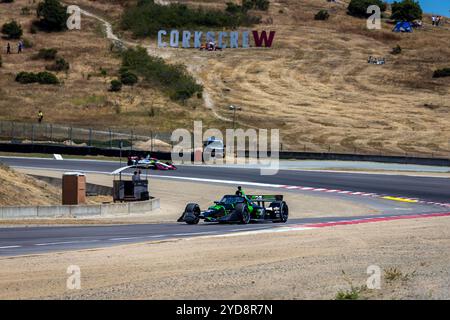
[(239, 208)]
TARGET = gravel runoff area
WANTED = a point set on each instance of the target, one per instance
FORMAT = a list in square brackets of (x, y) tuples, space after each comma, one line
[(319, 263)]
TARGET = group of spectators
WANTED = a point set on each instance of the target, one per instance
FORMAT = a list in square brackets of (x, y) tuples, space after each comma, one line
[(373, 60), (20, 47), (436, 20), (210, 46)]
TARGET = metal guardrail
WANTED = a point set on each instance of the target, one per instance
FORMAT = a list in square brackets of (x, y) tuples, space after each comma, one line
[(43, 133), (59, 135), (94, 151)]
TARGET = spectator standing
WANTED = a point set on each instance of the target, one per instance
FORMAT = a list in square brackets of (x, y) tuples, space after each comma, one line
[(8, 48), (19, 47), (40, 116)]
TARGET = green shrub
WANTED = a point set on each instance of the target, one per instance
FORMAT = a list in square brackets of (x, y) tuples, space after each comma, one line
[(47, 54), (441, 73), (41, 77), (147, 18), (59, 65), (34, 27), (25, 11), (174, 79), (322, 15), (12, 30), (233, 8), (396, 50), (128, 78), (358, 8), (352, 294), (116, 85), (26, 77), (47, 78), (262, 5), (53, 15), (27, 43), (406, 10)]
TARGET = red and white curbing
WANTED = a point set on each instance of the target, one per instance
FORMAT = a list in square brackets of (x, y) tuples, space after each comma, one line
[(330, 191), (358, 193), (374, 219), (435, 203), (312, 226)]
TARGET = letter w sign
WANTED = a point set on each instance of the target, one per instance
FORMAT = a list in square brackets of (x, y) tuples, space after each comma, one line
[(260, 39)]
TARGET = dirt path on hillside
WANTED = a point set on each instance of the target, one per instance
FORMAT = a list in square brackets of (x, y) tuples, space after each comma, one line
[(152, 50), (310, 264)]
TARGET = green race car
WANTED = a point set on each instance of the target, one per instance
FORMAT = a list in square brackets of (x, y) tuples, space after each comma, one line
[(239, 208)]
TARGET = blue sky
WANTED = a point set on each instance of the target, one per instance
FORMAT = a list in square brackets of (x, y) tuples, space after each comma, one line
[(441, 7)]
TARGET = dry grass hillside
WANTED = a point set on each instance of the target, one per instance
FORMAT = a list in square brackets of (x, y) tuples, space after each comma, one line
[(19, 189), (315, 83), (83, 98)]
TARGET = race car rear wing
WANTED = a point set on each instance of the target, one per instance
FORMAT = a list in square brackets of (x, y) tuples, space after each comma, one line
[(265, 198)]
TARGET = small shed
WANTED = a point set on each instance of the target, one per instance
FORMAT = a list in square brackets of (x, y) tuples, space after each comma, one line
[(73, 188)]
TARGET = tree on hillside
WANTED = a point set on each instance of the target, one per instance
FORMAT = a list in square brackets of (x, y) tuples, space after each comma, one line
[(256, 4), (53, 15), (12, 30), (358, 8), (406, 10)]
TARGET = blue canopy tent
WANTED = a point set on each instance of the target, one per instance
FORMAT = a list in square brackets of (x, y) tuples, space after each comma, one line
[(403, 26)]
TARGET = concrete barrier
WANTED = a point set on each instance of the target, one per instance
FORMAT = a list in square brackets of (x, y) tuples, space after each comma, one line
[(53, 211), (13, 213), (82, 211), (140, 207), (116, 209), (91, 188)]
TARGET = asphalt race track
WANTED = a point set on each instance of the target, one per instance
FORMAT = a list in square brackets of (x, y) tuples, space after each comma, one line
[(425, 188), (32, 240), (35, 240)]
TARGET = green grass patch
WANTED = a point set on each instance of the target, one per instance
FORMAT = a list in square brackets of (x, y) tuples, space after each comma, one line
[(147, 18), (352, 294), (394, 274), (171, 78)]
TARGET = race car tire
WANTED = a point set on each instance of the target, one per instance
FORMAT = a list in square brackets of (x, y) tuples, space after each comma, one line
[(244, 215), (284, 211), (192, 213)]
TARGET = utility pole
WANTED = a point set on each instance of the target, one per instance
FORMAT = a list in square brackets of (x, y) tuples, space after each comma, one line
[(120, 153), (234, 108)]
